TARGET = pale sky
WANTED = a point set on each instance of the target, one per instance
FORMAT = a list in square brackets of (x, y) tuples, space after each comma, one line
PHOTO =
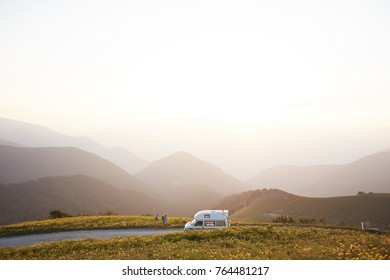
[(242, 84)]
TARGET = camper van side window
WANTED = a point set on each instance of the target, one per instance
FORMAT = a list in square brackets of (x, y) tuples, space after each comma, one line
[(209, 223), (220, 223), (198, 223), (207, 216)]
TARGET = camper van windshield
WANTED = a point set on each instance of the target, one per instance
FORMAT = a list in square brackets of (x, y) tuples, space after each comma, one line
[(193, 222)]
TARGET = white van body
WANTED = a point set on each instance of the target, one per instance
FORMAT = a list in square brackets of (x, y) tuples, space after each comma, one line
[(209, 219)]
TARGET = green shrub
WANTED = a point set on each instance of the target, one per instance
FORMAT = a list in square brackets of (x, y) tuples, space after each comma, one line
[(108, 213), (308, 221), (57, 214), (284, 220)]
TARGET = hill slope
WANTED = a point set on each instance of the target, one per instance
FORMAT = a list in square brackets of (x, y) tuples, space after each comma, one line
[(24, 164), (9, 143), (188, 183), (74, 195), (264, 205), (291, 178), (368, 174), (183, 174), (32, 135)]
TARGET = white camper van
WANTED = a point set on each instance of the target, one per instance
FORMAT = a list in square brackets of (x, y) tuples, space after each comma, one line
[(209, 219)]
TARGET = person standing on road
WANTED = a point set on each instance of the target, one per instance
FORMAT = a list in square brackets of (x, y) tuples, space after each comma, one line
[(164, 220), (156, 220)]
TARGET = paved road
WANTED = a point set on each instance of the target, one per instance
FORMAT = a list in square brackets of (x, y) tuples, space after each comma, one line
[(26, 240)]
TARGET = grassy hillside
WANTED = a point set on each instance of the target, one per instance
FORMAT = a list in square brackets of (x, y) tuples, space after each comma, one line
[(264, 205), (240, 243), (86, 223), (75, 195)]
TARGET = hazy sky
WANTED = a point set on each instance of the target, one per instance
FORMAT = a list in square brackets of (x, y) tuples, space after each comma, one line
[(243, 84)]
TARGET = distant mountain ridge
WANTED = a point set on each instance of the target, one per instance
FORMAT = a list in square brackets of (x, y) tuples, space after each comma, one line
[(31, 135), (169, 176), (369, 174), (75, 195), (18, 165), (188, 183), (9, 143), (291, 178), (174, 173)]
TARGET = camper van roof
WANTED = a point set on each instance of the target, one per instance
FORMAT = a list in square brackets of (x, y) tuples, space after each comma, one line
[(213, 213)]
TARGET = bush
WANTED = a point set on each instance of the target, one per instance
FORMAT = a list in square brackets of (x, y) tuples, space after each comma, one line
[(57, 214), (309, 221), (108, 213), (283, 220)]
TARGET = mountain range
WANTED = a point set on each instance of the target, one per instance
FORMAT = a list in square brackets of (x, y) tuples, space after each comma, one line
[(202, 189), (31, 135), (179, 184)]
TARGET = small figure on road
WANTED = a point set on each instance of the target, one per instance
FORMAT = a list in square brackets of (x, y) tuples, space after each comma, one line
[(156, 220), (164, 220)]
